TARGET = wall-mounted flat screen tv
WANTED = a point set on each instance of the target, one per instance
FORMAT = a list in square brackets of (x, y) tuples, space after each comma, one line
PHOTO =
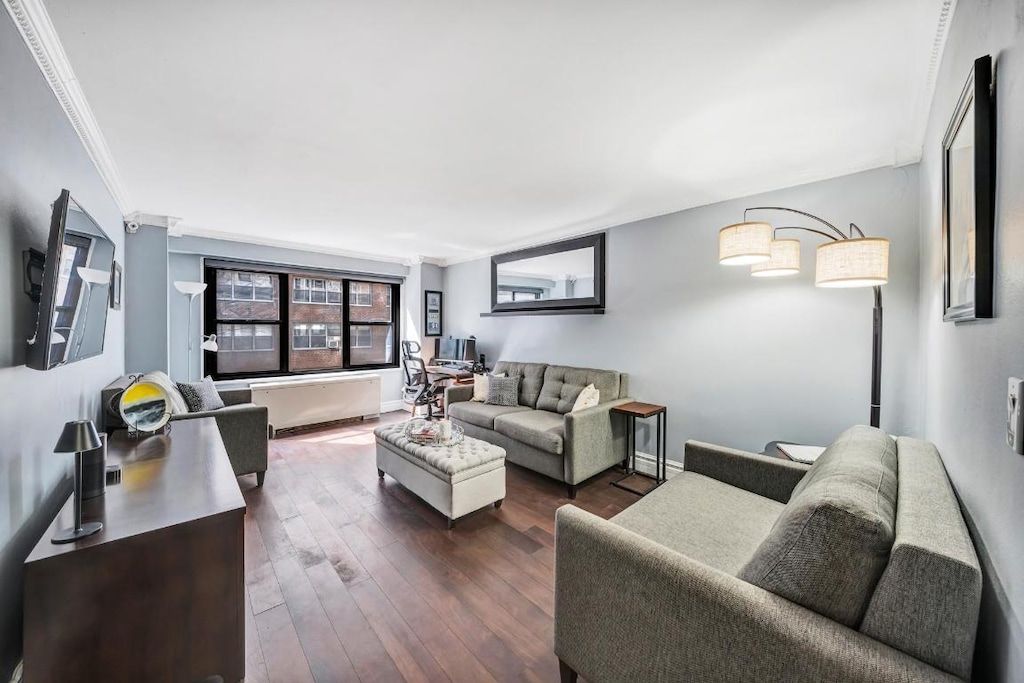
[(73, 304)]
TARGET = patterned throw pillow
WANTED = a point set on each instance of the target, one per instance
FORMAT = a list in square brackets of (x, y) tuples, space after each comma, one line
[(588, 398), (503, 391), (201, 396), (481, 384)]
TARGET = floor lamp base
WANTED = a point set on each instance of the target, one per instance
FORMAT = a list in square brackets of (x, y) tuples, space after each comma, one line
[(71, 535)]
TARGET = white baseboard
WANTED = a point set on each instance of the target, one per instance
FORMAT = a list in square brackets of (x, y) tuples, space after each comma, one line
[(647, 463), (391, 406)]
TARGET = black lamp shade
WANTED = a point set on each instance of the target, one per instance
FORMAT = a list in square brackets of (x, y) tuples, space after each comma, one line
[(78, 436)]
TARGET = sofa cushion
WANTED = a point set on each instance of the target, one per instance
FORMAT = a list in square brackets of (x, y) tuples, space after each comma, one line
[(481, 414), (563, 384), (503, 391), (532, 378), (829, 546), (704, 519), (538, 428), (200, 396)]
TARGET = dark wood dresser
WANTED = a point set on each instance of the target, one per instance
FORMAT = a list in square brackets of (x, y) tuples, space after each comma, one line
[(158, 594)]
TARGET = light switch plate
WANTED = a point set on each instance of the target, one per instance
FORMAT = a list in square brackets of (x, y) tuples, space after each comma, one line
[(1015, 414)]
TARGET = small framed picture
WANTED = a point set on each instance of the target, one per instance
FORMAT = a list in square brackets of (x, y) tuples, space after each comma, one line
[(432, 313), (115, 286)]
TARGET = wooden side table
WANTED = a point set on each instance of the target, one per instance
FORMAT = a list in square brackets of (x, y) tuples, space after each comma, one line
[(631, 411)]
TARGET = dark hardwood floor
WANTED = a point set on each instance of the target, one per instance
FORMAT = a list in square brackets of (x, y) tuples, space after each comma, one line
[(354, 579)]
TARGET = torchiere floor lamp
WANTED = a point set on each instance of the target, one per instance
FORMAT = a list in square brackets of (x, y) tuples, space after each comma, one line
[(846, 260)]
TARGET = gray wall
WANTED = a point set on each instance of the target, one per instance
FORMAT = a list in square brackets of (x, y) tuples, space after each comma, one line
[(39, 154), (966, 366), (147, 343), (738, 360)]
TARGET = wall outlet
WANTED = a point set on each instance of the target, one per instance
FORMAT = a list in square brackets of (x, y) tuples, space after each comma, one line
[(1015, 414)]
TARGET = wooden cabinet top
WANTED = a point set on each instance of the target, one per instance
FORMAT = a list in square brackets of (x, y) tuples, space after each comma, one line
[(166, 480)]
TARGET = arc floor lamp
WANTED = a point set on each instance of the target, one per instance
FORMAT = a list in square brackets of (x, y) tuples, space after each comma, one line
[(193, 290), (845, 260)]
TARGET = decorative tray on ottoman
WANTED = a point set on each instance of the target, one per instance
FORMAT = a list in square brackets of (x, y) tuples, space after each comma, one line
[(433, 432)]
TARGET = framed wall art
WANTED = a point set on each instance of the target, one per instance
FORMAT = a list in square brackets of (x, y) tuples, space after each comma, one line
[(968, 199), (432, 313)]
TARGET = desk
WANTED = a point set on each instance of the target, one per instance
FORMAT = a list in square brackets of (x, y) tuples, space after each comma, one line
[(158, 594), (631, 411), (445, 372)]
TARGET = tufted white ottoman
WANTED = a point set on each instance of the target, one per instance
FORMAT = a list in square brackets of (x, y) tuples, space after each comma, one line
[(455, 480)]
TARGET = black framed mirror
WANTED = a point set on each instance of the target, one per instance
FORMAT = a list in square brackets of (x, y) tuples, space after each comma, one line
[(561, 277)]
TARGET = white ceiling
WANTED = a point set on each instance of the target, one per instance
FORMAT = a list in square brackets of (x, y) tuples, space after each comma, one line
[(450, 129)]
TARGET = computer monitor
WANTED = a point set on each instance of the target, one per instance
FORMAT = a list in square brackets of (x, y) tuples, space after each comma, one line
[(454, 349)]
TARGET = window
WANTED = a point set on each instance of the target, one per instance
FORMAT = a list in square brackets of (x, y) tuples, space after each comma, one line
[(362, 337), (306, 290), (508, 294), (359, 294), (281, 322), (242, 286), (316, 336)]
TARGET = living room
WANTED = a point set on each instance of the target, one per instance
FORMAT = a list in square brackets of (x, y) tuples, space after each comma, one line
[(316, 209)]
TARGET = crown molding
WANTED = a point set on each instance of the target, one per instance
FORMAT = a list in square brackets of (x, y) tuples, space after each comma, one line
[(40, 36), (183, 230)]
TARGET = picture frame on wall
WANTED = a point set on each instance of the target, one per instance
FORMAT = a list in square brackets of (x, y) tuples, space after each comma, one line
[(432, 313), (968, 199), (115, 286)]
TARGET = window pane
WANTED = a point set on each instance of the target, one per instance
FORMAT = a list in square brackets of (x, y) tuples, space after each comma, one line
[(376, 306), (257, 353), (243, 302), (317, 296), (370, 344)]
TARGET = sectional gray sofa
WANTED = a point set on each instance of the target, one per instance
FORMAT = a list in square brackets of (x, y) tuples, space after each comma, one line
[(750, 568), (243, 426), (542, 433)]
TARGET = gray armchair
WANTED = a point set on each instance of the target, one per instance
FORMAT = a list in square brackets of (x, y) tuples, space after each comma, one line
[(243, 426)]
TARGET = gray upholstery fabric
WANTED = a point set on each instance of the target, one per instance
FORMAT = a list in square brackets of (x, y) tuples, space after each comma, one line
[(242, 424), (832, 540), (456, 393), (480, 414), (518, 452), (201, 395), (770, 477), (503, 391), (595, 439), (704, 519), (563, 384), (532, 375), (456, 463), (926, 603), (630, 609), (537, 428)]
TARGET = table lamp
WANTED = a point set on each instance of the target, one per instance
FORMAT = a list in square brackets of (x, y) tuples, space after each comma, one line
[(78, 436)]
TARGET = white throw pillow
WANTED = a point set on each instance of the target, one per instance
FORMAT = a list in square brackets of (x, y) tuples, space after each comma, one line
[(588, 398), (170, 388), (481, 385)]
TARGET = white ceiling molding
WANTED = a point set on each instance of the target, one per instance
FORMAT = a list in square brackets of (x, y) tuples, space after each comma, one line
[(904, 157), (37, 30), (185, 231), (168, 223)]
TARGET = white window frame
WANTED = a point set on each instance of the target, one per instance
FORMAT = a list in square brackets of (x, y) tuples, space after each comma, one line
[(308, 285), (354, 341), (226, 342), (308, 335), (354, 295), (235, 283)]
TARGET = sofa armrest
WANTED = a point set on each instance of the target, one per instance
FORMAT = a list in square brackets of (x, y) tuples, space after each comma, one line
[(234, 397), (457, 393), (673, 618), (769, 477), (594, 441)]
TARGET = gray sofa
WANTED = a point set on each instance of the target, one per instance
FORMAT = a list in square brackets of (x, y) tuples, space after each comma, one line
[(541, 433), (750, 568), (243, 426)]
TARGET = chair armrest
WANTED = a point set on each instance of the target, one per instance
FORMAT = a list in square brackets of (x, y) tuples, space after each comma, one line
[(233, 397), (627, 608), (594, 440), (457, 393), (766, 476)]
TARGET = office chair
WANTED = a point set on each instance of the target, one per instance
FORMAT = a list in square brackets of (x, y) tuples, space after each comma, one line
[(419, 390)]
